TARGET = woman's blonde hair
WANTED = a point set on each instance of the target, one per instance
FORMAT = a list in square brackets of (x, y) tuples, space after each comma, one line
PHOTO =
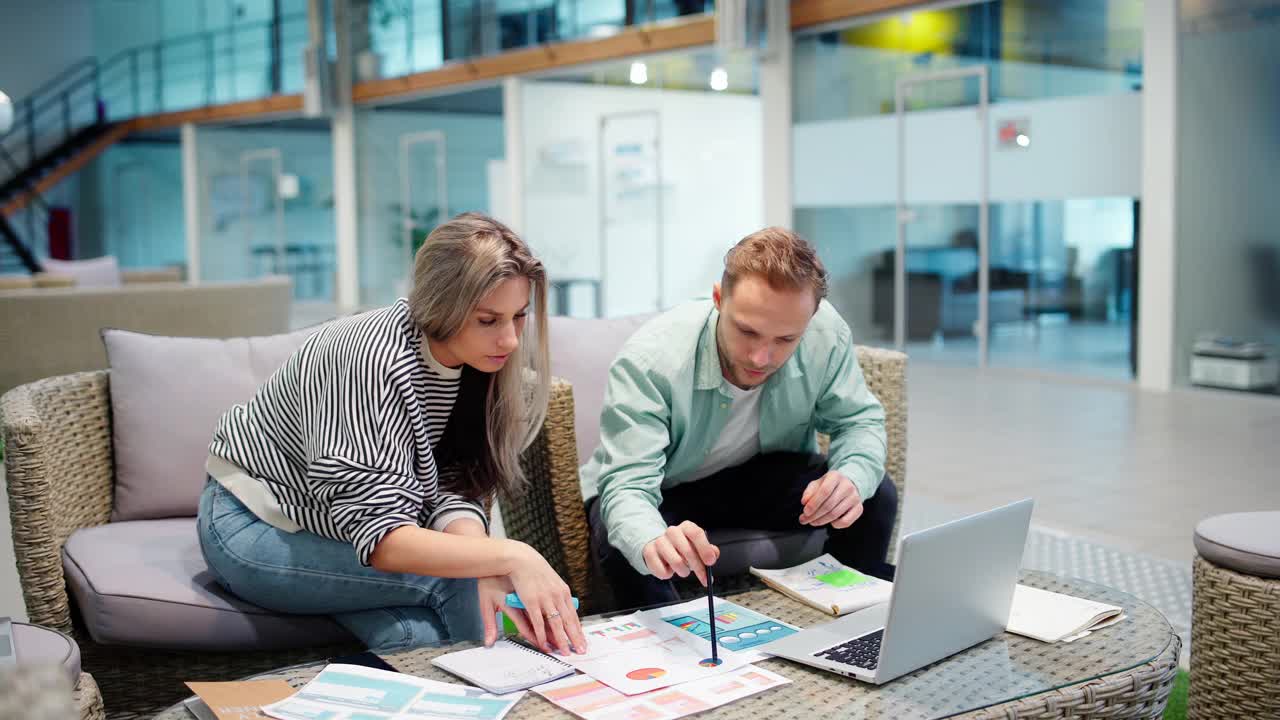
[(460, 263)]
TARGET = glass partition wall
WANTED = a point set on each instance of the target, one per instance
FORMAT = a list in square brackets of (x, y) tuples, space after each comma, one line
[(638, 176), (907, 126)]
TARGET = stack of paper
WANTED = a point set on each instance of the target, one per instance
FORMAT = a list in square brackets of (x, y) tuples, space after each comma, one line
[(652, 665)]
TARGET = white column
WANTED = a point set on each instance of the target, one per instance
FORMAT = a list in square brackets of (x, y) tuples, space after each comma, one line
[(191, 196), (345, 206), (1157, 267), (513, 130), (346, 210), (775, 118)]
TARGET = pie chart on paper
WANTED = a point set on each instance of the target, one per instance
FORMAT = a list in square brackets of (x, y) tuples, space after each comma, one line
[(646, 674)]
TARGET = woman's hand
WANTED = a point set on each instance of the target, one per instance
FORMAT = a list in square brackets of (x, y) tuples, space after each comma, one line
[(548, 603), (493, 597)]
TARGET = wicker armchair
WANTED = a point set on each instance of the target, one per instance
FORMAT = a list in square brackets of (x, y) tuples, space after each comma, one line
[(60, 477), (552, 519)]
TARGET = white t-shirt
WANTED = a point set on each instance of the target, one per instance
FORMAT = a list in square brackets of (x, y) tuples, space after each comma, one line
[(740, 439)]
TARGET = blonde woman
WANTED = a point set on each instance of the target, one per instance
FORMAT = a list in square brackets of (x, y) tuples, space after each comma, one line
[(328, 491)]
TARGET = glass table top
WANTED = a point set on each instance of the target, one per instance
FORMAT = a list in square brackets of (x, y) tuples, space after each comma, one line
[(1004, 669)]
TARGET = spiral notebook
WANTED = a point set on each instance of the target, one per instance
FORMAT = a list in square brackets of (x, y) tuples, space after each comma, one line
[(506, 667)]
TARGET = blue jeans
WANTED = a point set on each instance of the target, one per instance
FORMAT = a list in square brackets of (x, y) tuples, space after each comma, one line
[(307, 574)]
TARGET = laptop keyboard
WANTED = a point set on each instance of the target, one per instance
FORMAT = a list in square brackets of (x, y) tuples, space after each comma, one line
[(862, 652)]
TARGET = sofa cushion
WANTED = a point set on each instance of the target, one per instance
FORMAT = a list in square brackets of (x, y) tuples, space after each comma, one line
[(146, 584), (35, 645), (581, 352), (740, 550), (1244, 542), (98, 272), (167, 394)]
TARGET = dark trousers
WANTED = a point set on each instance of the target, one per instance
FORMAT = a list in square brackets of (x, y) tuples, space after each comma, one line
[(761, 494)]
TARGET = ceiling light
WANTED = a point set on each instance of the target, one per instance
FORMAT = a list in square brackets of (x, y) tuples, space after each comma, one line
[(719, 79), (639, 73)]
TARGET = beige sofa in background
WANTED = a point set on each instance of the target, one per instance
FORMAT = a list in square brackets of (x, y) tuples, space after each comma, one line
[(128, 276), (54, 331)]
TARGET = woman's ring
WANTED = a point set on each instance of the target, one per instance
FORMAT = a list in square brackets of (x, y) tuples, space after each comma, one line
[(553, 614)]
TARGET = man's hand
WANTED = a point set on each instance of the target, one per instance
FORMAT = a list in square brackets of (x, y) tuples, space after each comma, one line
[(682, 549), (831, 500)]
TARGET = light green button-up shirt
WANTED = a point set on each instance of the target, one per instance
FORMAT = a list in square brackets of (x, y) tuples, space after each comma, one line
[(667, 402)]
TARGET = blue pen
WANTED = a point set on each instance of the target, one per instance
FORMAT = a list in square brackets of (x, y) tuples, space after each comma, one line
[(514, 601)]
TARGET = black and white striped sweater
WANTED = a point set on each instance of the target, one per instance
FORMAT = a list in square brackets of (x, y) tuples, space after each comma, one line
[(344, 435)]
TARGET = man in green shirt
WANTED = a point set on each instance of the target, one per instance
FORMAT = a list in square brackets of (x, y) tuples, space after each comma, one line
[(710, 419)]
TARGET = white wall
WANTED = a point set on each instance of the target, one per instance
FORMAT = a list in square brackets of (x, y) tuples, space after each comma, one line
[(711, 174), (1228, 173), (1081, 147), (38, 40)]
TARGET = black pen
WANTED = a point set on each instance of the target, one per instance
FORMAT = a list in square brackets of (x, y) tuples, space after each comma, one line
[(711, 616)]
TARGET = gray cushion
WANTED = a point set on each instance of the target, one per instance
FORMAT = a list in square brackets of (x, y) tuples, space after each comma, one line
[(167, 394), (98, 272), (581, 352), (33, 645), (146, 584), (741, 550), (1244, 542)]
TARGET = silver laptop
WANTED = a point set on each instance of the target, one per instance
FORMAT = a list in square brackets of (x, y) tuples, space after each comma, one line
[(952, 590)]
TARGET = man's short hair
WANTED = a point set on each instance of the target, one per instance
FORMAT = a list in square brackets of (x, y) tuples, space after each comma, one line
[(784, 259)]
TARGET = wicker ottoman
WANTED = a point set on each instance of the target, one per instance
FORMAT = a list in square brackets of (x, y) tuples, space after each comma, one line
[(1235, 624), (35, 645)]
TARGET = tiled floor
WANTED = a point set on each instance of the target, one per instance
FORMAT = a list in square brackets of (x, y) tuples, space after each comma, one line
[(1105, 462)]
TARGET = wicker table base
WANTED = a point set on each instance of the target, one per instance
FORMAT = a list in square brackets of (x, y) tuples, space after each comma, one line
[(1125, 671)]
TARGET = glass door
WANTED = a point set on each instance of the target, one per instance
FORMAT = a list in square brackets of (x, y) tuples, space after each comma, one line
[(424, 194), (941, 277), (262, 229), (631, 213)]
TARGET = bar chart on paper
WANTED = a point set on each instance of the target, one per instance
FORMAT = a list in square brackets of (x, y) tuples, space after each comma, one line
[(738, 629)]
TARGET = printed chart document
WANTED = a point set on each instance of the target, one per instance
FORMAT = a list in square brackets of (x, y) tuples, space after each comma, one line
[(638, 653), (1051, 617), (592, 700), (352, 692), (738, 629), (828, 585)]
